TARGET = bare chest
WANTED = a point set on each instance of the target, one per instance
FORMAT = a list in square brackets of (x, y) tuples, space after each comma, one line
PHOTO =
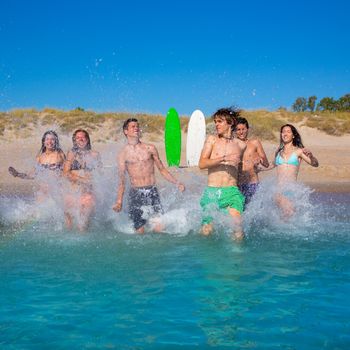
[(224, 147), (136, 155), (250, 152)]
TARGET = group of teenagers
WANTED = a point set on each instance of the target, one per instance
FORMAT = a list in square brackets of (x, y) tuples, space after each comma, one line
[(233, 161)]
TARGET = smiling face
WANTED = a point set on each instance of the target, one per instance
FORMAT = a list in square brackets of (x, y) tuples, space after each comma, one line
[(242, 131), (81, 139), (132, 130), (287, 135), (50, 142)]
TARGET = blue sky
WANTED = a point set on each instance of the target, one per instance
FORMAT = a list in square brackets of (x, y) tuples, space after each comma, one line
[(148, 56)]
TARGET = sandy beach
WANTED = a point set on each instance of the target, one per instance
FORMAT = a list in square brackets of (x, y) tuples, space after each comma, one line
[(333, 174)]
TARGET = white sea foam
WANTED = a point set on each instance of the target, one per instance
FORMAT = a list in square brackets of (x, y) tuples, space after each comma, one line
[(182, 212), (263, 213)]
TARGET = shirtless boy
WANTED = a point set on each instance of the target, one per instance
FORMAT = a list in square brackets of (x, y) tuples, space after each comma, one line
[(222, 155), (253, 156), (138, 160)]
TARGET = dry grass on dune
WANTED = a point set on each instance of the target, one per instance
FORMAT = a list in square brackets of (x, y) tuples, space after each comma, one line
[(18, 120), (22, 122), (264, 124), (335, 123)]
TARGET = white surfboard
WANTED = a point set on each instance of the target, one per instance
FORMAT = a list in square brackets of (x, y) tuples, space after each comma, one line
[(195, 138)]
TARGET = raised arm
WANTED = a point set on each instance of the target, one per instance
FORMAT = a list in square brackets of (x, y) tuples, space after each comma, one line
[(121, 183), (164, 171), (308, 157), (271, 165), (61, 157), (204, 161), (262, 155), (99, 164), (24, 176), (67, 165)]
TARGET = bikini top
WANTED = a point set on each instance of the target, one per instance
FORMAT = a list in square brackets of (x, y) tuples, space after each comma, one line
[(52, 166), (78, 166), (292, 160)]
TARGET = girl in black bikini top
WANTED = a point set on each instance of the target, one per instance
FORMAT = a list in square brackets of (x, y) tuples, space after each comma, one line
[(55, 148)]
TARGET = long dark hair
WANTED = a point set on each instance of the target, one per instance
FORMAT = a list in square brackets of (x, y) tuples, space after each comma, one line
[(56, 146), (75, 148), (296, 138)]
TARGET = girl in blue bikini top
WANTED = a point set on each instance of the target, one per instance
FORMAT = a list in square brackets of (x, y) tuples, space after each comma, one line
[(290, 142), (289, 138), (292, 160)]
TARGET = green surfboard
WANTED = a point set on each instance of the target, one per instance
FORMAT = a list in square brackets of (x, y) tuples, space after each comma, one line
[(173, 138)]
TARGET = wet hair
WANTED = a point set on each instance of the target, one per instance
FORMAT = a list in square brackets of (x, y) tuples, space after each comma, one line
[(243, 121), (127, 122), (296, 138), (75, 147), (56, 146), (230, 114)]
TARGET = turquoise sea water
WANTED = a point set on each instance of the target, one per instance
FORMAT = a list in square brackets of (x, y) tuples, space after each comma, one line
[(287, 286)]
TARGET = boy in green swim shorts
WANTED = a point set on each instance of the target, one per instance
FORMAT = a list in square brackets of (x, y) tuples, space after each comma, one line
[(222, 156), (221, 198)]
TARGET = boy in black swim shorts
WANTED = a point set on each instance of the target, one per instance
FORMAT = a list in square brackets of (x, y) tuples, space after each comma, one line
[(138, 160)]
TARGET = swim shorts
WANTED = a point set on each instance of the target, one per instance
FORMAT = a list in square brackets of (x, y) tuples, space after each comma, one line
[(248, 191), (143, 200), (220, 198)]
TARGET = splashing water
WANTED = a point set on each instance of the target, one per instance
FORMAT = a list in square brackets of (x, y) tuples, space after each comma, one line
[(182, 212), (264, 214)]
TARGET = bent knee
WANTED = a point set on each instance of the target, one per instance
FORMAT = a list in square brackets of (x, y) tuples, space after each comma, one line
[(234, 212), (87, 200), (207, 229)]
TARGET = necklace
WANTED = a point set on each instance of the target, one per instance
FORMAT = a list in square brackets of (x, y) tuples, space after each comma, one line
[(227, 138)]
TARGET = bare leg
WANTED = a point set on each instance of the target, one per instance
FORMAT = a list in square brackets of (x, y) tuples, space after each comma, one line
[(87, 205), (207, 229), (69, 205), (237, 219), (286, 206), (68, 221), (157, 225), (141, 230)]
